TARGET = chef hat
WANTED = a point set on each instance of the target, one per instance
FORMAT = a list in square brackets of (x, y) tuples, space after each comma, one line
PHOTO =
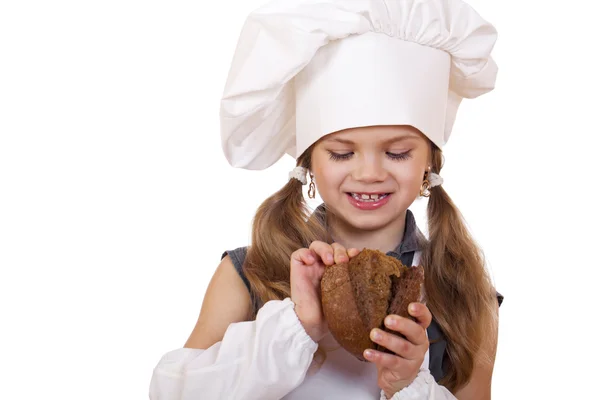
[(303, 69)]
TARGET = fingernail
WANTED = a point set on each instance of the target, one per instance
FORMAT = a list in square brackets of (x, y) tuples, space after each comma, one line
[(368, 354), (329, 257), (413, 308), (390, 322), (375, 334)]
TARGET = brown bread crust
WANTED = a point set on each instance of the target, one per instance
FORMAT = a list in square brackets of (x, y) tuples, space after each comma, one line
[(358, 295), (407, 289)]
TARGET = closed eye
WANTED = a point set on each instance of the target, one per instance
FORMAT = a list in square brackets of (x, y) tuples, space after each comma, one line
[(339, 157), (399, 156), (345, 156)]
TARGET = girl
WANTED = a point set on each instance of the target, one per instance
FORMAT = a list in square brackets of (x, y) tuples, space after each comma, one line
[(364, 94)]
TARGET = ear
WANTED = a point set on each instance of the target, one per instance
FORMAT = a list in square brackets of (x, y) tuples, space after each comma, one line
[(427, 171)]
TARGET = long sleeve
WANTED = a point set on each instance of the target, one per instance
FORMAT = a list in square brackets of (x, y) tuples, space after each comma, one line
[(424, 387), (262, 359)]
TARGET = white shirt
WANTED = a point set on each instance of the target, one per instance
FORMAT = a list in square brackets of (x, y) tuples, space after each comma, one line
[(342, 376)]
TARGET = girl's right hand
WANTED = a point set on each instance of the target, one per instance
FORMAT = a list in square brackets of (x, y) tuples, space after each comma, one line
[(306, 270)]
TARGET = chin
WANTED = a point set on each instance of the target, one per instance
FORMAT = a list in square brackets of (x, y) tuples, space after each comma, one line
[(368, 222)]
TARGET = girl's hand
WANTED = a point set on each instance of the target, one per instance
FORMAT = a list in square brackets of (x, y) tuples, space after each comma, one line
[(306, 270), (396, 371)]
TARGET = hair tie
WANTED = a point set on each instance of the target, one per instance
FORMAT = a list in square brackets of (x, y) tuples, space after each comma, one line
[(434, 179), (299, 173)]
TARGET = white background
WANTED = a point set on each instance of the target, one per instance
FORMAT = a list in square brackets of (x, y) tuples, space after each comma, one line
[(116, 201)]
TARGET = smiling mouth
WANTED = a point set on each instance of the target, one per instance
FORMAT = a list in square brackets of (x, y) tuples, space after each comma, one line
[(369, 197)]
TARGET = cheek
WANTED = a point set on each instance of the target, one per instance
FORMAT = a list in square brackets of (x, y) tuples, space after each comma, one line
[(410, 177), (328, 174), (329, 179), (412, 183)]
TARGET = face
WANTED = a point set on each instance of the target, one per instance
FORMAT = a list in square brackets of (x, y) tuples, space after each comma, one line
[(369, 176)]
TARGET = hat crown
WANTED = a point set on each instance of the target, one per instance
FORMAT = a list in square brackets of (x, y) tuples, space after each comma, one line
[(301, 68)]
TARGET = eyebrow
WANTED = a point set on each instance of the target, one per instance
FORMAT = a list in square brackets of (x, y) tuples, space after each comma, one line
[(391, 140)]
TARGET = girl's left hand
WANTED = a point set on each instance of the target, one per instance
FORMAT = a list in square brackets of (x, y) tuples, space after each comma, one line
[(396, 371)]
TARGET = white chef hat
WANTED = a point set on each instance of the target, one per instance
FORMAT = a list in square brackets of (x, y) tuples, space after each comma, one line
[(303, 69)]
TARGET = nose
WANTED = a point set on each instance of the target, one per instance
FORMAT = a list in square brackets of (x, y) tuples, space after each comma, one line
[(370, 170)]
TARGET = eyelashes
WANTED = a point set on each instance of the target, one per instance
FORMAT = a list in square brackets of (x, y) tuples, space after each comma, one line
[(339, 157), (399, 156), (394, 156)]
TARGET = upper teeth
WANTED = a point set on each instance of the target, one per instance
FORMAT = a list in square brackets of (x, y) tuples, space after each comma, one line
[(367, 197)]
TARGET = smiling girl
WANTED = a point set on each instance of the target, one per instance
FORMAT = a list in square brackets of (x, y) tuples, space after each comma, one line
[(363, 94)]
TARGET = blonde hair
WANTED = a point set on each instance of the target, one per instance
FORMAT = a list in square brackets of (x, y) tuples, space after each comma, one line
[(459, 292)]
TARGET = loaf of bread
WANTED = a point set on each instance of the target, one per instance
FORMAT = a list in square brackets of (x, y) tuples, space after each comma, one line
[(359, 294)]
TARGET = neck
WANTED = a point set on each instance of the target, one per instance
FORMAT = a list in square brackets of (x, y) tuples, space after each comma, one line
[(383, 239)]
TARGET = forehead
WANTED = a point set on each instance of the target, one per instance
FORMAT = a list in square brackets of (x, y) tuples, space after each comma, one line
[(382, 134)]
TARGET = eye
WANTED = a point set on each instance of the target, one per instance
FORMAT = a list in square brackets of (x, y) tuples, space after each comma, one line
[(399, 156), (339, 157)]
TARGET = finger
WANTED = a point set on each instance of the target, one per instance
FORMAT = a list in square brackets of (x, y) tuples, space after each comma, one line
[(324, 251), (387, 361), (340, 255), (353, 252), (304, 256), (413, 332), (396, 344), (421, 314)]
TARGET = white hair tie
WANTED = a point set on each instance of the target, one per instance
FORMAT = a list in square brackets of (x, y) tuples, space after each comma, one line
[(299, 173), (434, 179)]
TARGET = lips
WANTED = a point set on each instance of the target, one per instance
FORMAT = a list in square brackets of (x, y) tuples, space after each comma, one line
[(368, 201)]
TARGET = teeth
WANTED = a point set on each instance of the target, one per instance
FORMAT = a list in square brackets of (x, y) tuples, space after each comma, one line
[(366, 197)]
